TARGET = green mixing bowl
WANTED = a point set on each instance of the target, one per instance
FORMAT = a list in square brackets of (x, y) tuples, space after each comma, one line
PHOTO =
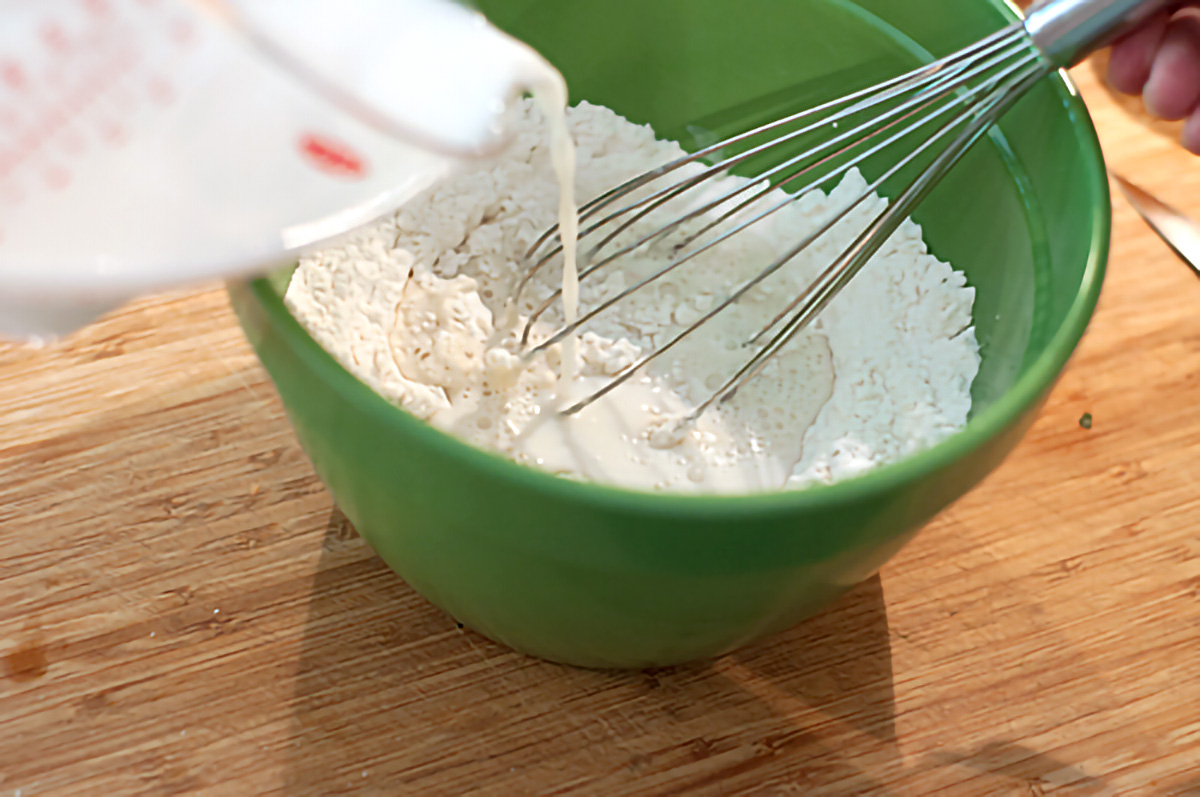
[(603, 577)]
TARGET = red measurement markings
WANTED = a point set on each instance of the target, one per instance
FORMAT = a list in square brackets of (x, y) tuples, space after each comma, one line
[(102, 80), (56, 177), (159, 90), (112, 133), (13, 75), (31, 139), (331, 157), (55, 37)]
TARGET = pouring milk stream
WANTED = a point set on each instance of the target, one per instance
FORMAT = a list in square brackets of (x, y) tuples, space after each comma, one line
[(150, 144)]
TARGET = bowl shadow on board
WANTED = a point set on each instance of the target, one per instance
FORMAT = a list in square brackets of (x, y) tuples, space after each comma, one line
[(390, 686)]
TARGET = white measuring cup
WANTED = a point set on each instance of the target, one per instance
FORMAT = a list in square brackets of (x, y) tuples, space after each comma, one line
[(149, 144)]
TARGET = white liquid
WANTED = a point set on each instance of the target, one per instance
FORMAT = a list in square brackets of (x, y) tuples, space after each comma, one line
[(597, 443), (551, 95), (609, 444)]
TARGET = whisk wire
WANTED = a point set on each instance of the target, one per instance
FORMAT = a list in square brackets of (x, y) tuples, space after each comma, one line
[(988, 85), (817, 298), (808, 241), (948, 105), (1005, 36), (878, 93), (838, 274), (791, 198)]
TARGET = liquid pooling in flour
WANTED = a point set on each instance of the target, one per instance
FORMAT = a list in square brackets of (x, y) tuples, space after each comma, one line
[(418, 306)]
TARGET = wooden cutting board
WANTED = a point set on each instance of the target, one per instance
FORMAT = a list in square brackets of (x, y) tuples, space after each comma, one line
[(184, 611)]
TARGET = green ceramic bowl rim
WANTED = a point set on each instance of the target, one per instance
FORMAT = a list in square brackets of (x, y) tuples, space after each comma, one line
[(1040, 376)]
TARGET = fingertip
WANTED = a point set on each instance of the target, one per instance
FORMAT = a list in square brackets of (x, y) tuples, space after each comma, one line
[(1131, 58), (1173, 88)]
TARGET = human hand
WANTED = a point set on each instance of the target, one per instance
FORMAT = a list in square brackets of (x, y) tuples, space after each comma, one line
[(1161, 62)]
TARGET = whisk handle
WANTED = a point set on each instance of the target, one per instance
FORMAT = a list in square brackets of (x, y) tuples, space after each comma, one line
[(1067, 31)]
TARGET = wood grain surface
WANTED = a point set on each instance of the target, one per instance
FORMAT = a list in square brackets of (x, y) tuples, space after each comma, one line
[(184, 611)]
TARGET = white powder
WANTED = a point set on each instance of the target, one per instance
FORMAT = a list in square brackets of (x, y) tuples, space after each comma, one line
[(414, 306)]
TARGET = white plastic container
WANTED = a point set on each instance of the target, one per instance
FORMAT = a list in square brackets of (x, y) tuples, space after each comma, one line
[(147, 144)]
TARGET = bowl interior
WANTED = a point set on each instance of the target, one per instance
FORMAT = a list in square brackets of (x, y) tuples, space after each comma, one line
[(1018, 214), (1025, 215), (599, 576)]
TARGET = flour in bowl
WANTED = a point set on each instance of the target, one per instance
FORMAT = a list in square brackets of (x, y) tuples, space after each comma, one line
[(415, 307)]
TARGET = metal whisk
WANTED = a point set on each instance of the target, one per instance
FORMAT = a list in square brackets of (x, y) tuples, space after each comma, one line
[(937, 111)]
